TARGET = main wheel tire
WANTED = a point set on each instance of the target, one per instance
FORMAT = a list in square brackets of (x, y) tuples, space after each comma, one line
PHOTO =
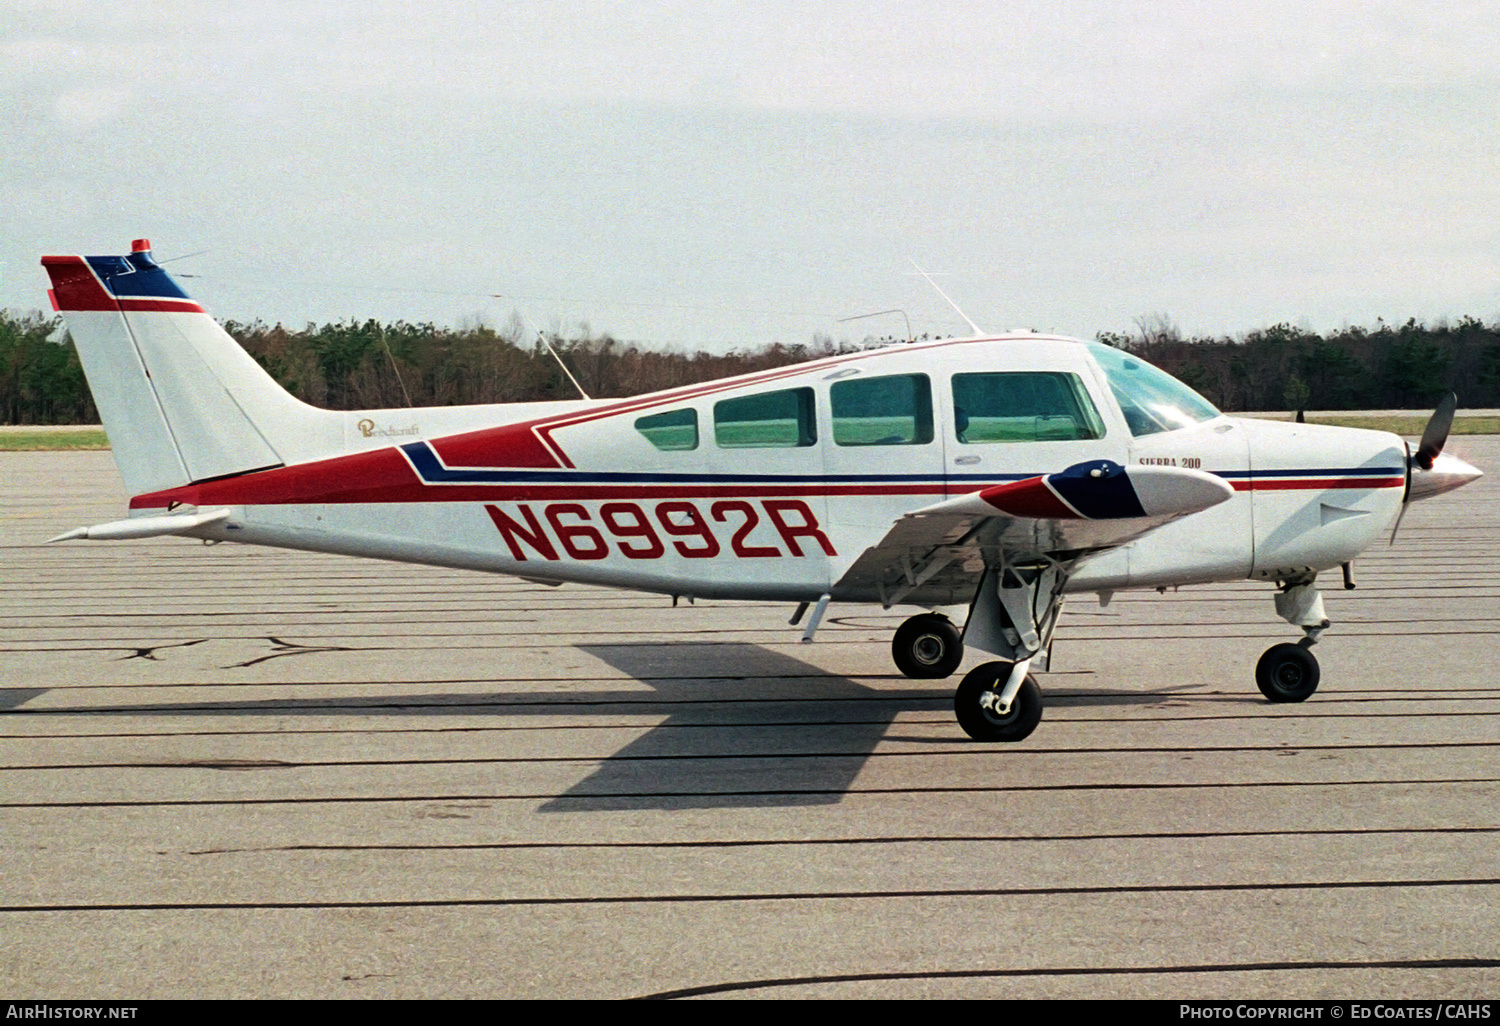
[(1287, 673), (984, 724), (927, 647)]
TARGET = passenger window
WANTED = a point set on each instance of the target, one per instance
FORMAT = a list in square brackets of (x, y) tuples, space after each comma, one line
[(895, 410), (671, 432), (1030, 406), (771, 420)]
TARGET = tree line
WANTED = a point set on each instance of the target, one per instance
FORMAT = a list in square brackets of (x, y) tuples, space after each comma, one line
[(373, 365), (1287, 368)]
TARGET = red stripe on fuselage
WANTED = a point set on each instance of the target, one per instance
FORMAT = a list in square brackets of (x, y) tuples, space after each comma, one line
[(1300, 483), (262, 489), (382, 475), (510, 446)]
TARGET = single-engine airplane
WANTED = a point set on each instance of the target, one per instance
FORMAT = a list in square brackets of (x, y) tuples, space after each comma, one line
[(994, 474)]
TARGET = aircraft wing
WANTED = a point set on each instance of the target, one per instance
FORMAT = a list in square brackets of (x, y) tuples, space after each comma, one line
[(936, 555)]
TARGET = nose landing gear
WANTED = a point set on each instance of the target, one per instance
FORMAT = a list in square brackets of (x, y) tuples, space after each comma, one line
[(1289, 672)]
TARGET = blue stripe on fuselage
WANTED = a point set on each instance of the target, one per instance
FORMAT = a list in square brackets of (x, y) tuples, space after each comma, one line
[(431, 470), (1315, 472)]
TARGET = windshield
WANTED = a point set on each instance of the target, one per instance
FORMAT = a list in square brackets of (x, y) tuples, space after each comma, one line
[(1151, 399)]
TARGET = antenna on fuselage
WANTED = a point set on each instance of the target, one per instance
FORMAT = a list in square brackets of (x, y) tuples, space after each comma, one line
[(977, 329), (542, 335)]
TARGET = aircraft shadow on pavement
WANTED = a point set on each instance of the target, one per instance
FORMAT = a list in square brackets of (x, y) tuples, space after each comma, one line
[(11, 698), (747, 726)]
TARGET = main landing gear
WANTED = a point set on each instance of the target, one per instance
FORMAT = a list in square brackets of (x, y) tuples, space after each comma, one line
[(1013, 615), (998, 702), (927, 647), (1289, 672)]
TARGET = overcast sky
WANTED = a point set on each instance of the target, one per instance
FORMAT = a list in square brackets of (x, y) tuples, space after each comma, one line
[(716, 174)]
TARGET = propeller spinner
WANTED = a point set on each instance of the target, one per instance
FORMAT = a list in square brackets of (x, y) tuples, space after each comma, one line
[(1435, 434), (1428, 471)]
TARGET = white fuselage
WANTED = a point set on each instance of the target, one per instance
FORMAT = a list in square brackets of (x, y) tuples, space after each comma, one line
[(776, 496)]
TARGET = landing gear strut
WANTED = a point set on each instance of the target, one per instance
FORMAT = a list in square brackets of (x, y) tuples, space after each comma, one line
[(1013, 616), (927, 647), (1289, 672)]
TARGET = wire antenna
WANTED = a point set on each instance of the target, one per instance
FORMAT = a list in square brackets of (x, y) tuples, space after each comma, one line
[(977, 329), (185, 256), (881, 313), (392, 357), (540, 334)]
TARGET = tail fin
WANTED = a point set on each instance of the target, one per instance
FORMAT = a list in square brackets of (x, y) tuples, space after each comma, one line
[(181, 401)]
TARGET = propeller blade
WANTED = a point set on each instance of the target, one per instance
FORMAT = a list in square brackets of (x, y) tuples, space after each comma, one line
[(1405, 496), (1399, 517), (1435, 435)]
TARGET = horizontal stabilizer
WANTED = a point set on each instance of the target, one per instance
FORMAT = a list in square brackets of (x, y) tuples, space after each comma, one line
[(143, 527)]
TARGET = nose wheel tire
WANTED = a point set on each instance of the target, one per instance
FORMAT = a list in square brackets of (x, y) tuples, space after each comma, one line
[(973, 703), (927, 647), (1287, 673)]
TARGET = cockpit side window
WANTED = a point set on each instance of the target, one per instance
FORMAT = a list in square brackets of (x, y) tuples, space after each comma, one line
[(1151, 399), (1023, 406), (770, 420)]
